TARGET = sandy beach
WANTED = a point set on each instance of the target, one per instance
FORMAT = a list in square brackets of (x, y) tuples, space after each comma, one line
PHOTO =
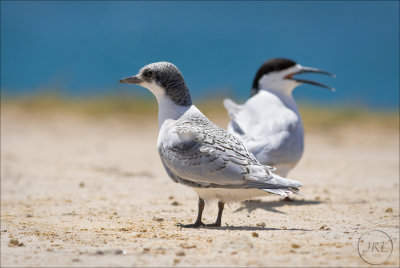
[(91, 192)]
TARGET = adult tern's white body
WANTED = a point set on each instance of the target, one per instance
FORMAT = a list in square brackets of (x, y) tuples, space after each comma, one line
[(197, 153), (269, 123)]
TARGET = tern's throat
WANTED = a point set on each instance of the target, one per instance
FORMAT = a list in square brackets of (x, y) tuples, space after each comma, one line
[(285, 95), (167, 109)]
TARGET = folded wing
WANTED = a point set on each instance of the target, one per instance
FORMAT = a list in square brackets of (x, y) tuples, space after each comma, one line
[(205, 155)]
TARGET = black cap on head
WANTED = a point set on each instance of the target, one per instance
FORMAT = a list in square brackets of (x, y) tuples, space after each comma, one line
[(272, 65), (165, 75)]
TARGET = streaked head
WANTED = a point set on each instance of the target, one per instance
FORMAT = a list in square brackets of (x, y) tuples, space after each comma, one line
[(163, 79), (278, 74)]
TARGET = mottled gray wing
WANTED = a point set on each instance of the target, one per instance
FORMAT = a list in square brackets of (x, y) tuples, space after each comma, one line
[(208, 155), (180, 180)]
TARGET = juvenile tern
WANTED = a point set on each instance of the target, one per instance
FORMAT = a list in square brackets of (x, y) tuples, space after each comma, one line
[(269, 123), (197, 153)]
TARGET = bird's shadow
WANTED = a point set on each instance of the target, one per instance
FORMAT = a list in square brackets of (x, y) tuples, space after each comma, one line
[(252, 228), (271, 206)]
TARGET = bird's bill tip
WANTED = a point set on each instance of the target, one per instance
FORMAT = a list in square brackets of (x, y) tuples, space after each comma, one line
[(311, 70), (130, 80)]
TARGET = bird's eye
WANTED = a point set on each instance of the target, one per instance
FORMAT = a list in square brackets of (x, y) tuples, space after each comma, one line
[(149, 73)]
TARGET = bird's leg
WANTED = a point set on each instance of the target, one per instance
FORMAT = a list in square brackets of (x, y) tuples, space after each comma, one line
[(219, 218), (198, 223)]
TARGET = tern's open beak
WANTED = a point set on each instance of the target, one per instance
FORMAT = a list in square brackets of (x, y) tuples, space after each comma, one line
[(131, 80), (310, 70)]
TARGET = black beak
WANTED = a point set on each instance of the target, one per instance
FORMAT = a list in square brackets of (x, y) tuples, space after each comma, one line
[(311, 70), (131, 80)]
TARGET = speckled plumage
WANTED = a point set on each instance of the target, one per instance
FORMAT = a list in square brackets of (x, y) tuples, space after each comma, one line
[(206, 156), (209, 145)]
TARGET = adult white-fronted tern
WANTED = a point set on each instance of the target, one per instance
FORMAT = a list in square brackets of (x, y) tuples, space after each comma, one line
[(269, 123)]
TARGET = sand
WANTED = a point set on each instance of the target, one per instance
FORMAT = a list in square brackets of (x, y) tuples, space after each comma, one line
[(89, 192)]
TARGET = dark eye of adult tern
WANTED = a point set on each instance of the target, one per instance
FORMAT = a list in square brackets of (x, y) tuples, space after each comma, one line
[(148, 73)]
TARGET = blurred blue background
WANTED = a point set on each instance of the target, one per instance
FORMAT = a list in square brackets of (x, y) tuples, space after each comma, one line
[(84, 48)]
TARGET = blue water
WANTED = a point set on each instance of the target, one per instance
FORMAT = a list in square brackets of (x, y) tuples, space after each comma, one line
[(86, 47)]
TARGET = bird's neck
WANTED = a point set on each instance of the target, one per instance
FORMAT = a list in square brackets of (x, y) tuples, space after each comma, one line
[(285, 95), (167, 109)]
